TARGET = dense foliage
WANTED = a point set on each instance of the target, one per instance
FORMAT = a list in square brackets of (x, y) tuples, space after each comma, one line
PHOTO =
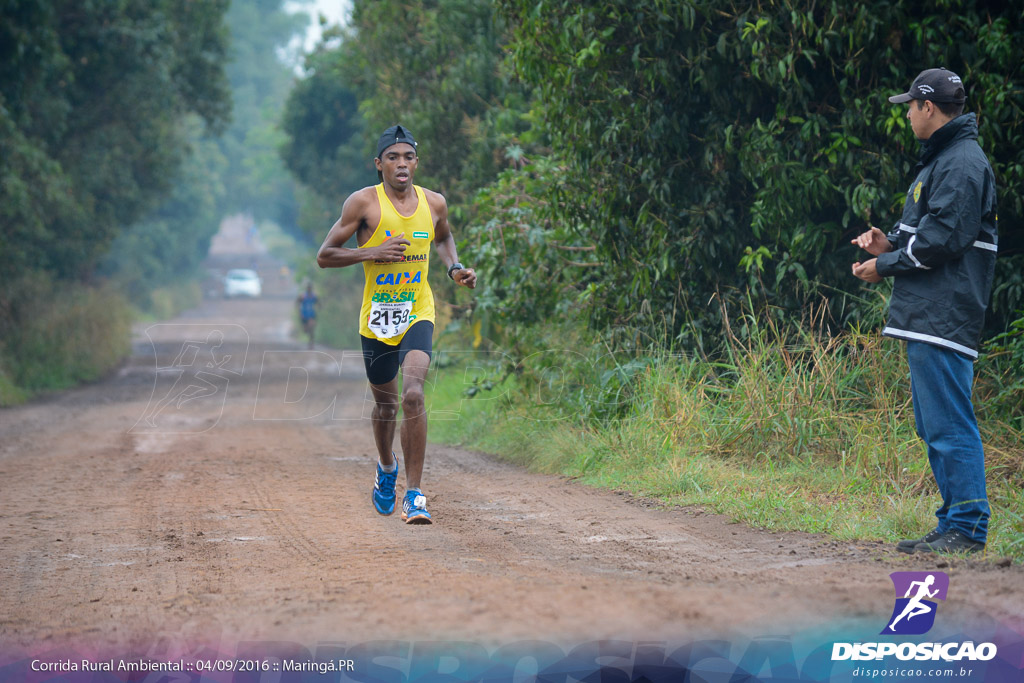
[(92, 96), (167, 245), (435, 67), (237, 171), (326, 146), (714, 147), (98, 101), (255, 179), (644, 167), (658, 158)]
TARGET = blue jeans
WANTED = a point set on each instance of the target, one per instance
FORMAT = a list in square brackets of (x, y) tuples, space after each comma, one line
[(940, 383)]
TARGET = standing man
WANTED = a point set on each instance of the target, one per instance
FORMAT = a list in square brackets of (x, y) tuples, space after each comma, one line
[(941, 256), (394, 224)]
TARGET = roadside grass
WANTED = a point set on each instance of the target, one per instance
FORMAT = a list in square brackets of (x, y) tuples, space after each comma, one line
[(10, 393), (73, 335), (815, 435), (56, 336), (164, 303)]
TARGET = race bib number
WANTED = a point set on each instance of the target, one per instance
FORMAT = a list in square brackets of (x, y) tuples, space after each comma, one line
[(389, 319)]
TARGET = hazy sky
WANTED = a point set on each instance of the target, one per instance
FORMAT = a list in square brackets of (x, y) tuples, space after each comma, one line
[(336, 11)]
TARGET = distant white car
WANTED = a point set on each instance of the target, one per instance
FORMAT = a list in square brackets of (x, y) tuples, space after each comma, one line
[(242, 281)]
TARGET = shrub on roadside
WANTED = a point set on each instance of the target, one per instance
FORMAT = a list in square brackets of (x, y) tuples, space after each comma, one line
[(167, 302), (56, 336)]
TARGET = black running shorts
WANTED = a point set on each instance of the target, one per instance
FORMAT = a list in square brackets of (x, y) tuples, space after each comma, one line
[(383, 360)]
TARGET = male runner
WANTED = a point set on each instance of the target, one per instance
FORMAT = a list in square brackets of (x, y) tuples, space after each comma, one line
[(394, 224)]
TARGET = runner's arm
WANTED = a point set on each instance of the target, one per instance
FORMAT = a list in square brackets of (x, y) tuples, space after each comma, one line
[(333, 252)]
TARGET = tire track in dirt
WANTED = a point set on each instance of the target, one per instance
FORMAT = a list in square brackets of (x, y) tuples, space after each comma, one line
[(284, 527)]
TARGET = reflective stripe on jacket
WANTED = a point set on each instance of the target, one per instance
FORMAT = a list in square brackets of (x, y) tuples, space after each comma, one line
[(944, 247)]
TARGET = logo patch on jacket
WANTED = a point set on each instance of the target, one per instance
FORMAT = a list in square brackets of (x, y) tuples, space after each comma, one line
[(917, 191)]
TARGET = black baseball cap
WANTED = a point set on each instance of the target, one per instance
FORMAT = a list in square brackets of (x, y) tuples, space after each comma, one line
[(937, 85), (393, 136)]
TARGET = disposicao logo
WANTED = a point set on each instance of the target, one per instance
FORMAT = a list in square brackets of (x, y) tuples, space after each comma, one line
[(913, 614)]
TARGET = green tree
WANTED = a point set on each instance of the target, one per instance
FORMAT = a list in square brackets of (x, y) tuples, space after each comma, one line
[(93, 95), (436, 67), (236, 171), (713, 147), (255, 179), (95, 99), (326, 144), (167, 246)]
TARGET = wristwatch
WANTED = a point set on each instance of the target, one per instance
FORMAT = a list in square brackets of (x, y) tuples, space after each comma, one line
[(452, 268)]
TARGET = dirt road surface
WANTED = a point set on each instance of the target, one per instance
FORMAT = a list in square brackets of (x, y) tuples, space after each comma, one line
[(218, 486)]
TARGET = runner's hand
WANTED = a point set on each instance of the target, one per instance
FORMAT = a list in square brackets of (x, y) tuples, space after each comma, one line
[(873, 241), (465, 277), (393, 248)]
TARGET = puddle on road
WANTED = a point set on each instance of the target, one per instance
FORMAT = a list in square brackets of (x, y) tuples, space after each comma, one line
[(519, 516), (96, 563), (236, 539)]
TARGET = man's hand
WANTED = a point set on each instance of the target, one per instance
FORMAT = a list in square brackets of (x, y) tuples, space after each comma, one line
[(873, 241), (866, 271), (465, 277), (392, 249)]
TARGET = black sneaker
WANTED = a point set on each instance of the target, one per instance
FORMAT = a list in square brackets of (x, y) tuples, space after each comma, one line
[(907, 546), (952, 541)]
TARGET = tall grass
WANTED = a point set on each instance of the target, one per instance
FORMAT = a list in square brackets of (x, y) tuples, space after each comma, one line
[(57, 337), (786, 430), (166, 302)]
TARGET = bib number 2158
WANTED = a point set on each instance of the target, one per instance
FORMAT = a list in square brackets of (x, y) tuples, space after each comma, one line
[(389, 319)]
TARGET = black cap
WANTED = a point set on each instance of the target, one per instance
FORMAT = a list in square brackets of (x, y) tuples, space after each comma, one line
[(937, 85), (393, 136)]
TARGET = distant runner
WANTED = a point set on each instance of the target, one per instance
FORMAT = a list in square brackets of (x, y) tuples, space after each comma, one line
[(307, 304), (394, 224)]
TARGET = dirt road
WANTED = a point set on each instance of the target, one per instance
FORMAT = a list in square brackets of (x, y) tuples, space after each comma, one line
[(218, 485)]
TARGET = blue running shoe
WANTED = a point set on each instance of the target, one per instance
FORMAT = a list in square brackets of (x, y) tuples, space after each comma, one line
[(414, 508), (384, 489)]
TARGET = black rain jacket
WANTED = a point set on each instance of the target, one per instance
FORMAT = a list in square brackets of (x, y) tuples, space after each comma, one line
[(944, 247)]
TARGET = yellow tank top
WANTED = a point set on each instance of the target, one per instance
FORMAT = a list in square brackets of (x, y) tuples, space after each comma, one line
[(396, 295)]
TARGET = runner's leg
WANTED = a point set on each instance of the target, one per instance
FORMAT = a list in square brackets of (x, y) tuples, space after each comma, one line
[(414, 415), (385, 408)]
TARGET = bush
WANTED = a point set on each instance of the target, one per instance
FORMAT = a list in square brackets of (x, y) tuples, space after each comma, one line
[(57, 336), (1001, 381), (711, 146)]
